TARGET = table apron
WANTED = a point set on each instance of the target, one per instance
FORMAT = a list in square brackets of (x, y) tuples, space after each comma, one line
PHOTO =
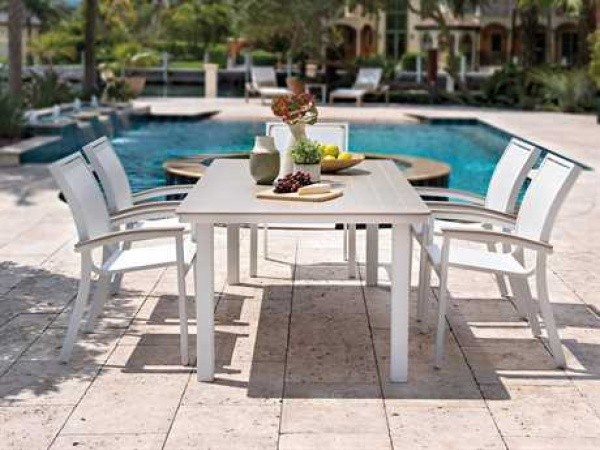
[(317, 218)]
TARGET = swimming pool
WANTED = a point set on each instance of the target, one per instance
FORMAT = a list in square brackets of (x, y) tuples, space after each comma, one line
[(471, 150)]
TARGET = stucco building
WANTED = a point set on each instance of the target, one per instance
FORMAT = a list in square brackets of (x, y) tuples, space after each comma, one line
[(487, 36)]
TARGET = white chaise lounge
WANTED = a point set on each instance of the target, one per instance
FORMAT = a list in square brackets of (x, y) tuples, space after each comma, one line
[(264, 84), (368, 81)]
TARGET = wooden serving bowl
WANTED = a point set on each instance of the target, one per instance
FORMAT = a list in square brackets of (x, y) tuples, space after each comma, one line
[(335, 165)]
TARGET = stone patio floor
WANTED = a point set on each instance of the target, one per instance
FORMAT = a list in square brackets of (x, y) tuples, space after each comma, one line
[(302, 351)]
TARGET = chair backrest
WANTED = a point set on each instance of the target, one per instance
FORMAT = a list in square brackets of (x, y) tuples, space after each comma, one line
[(84, 197), (111, 173), (368, 78), (509, 175), (543, 198), (263, 77), (325, 132)]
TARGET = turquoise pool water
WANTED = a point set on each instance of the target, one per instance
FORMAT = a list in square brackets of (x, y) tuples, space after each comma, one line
[(471, 150)]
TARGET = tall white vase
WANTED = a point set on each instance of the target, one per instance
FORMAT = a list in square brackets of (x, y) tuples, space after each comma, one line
[(297, 132)]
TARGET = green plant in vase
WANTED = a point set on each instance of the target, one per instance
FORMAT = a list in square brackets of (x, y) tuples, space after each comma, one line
[(306, 155)]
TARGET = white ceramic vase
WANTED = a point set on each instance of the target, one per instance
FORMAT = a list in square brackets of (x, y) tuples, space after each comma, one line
[(297, 132), (264, 160), (314, 170)]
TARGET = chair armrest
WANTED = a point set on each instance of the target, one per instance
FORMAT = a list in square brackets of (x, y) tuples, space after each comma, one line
[(129, 236), (489, 236), (177, 189), (471, 213), (144, 211), (450, 193)]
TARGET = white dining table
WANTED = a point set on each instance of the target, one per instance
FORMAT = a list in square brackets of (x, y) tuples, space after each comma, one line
[(374, 193)]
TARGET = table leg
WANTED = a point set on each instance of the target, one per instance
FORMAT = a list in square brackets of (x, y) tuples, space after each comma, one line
[(233, 253), (253, 250), (372, 253), (205, 293), (400, 295), (351, 250)]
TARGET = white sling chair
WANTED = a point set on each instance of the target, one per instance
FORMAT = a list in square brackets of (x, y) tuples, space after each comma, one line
[(531, 232), (264, 83), (368, 81), (115, 184), (95, 230), (327, 132), (121, 201), (506, 182)]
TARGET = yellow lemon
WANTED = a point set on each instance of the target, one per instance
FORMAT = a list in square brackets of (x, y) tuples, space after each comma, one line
[(328, 158), (330, 149), (344, 156)]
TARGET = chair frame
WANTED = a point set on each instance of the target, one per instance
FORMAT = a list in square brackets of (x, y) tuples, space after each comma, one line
[(254, 86), (112, 244), (501, 197), (439, 259), (358, 93)]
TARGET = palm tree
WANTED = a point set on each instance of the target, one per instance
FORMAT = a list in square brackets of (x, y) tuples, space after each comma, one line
[(89, 69), (15, 46)]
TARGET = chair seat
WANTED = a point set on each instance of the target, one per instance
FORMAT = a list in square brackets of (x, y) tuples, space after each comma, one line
[(148, 257), (163, 223), (479, 260), (348, 93)]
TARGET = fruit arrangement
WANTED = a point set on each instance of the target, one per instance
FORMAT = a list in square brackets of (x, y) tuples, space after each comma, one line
[(292, 182), (331, 152)]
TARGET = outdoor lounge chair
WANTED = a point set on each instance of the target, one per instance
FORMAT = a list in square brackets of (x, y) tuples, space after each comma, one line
[(96, 232), (368, 81), (530, 234), (504, 187), (264, 84)]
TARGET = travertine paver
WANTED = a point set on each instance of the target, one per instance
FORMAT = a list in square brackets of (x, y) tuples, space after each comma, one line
[(301, 351)]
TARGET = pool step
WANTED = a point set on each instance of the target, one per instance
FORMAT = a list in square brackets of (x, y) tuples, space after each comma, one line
[(12, 154)]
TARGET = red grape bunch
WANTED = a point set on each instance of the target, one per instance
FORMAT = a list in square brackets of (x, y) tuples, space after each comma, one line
[(292, 182)]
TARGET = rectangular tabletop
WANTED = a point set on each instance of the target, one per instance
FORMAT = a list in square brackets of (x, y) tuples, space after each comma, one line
[(374, 192)]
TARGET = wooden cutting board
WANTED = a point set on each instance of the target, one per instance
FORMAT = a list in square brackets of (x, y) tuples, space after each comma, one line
[(293, 196)]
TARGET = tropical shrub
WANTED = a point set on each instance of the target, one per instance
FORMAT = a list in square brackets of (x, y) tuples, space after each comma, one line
[(566, 90), (13, 119), (46, 89), (595, 56), (408, 62), (509, 86), (132, 54), (264, 58)]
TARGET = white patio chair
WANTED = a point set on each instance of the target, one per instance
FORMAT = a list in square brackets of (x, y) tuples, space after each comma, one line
[(264, 83), (115, 184), (119, 197), (329, 132), (531, 233), (368, 81), (502, 193), (95, 230)]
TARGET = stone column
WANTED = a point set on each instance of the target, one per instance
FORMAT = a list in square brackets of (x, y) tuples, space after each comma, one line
[(358, 40), (211, 78)]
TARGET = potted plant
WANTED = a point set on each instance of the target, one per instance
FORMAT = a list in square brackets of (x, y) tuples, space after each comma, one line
[(132, 55), (306, 155)]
